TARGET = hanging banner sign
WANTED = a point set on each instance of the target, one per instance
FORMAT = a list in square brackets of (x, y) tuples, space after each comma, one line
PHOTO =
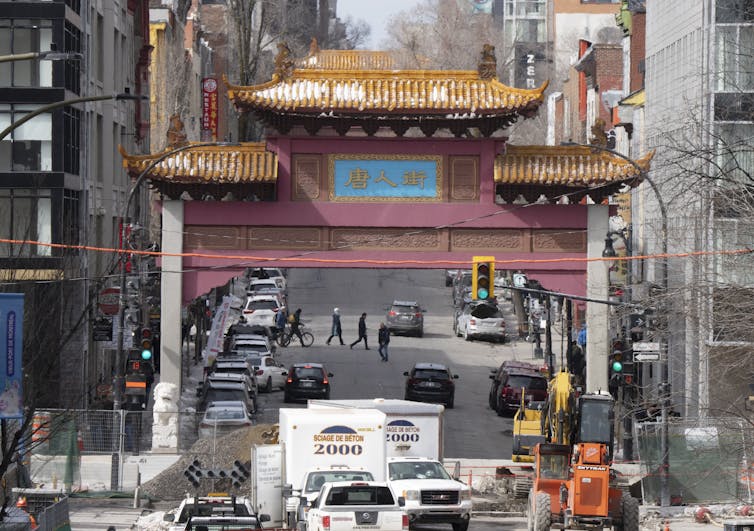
[(11, 343), (209, 106)]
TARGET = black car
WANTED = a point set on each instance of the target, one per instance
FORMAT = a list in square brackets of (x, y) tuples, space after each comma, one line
[(507, 382), (430, 382), (307, 380), (220, 391), (406, 317)]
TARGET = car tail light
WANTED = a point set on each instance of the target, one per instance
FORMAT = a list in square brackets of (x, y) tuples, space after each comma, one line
[(205, 425), (472, 321), (289, 380), (324, 381), (259, 372), (247, 312), (413, 381), (502, 324), (417, 314), (404, 521), (391, 313), (506, 391), (325, 522)]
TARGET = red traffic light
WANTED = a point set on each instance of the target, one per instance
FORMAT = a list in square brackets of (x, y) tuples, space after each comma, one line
[(146, 333)]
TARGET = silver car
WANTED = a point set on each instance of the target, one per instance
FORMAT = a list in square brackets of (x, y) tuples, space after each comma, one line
[(481, 320), (223, 417)]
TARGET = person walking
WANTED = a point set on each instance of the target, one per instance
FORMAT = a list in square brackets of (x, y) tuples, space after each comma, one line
[(362, 331), (337, 330), (296, 326), (280, 319), (383, 338)]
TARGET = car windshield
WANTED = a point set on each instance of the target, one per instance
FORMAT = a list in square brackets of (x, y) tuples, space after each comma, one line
[(433, 374), (486, 311), (360, 495), (404, 309), (244, 347), (235, 368), (262, 305), (223, 395), (259, 285), (308, 372), (532, 383), (315, 481), (255, 361), (417, 470), (225, 413)]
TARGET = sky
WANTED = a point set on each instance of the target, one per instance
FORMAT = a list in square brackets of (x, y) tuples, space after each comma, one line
[(376, 13)]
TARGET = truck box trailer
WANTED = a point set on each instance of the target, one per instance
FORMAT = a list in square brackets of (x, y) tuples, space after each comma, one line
[(414, 429)]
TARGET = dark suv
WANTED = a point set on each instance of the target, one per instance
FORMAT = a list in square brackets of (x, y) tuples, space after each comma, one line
[(508, 381), (307, 380), (430, 382), (406, 317)]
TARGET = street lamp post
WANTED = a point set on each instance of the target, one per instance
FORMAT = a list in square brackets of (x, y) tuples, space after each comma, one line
[(50, 55), (664, 390), (124, 221)]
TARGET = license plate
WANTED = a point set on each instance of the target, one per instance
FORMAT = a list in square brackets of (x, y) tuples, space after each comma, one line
[(430, 384), (307, 384), (406, 317)]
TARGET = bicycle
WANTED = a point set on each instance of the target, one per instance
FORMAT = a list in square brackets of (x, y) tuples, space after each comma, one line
[(284, 338)]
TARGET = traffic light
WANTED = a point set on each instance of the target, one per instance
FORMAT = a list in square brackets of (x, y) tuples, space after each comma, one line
[(239, 474), (194, 473), (146, 344), (628, 367), (616, 358), (482, 276)]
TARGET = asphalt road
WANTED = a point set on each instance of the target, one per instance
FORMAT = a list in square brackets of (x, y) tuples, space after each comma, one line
[(472, 429)]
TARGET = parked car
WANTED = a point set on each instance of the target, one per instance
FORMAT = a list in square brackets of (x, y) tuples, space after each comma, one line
[(250, 381), (307, 380), (406, 317), (225, 391), (269, 372), (267, 273), (430, 382), (223, 417), (261, 310), (481, 319), (256, 286), (450, 274), (509, 380), (250, 342)]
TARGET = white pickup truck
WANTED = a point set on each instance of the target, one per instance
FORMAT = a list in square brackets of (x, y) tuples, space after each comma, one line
[(346, 505)]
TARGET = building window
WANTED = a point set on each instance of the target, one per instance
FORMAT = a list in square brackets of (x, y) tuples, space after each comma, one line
[(18, 36), (72, 78), (734, 11), (28, 147), (735, 158), (71, 140), (25, 214), (735, 61)]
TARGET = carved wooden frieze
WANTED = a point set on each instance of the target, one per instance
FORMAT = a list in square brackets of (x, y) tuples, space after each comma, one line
[(464, 178), (307, 177), (284, 238), (559, 241), (508, 240), (214, 237), (392, 239)]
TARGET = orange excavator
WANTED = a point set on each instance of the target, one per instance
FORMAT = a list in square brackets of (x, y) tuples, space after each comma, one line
[(572, 485)]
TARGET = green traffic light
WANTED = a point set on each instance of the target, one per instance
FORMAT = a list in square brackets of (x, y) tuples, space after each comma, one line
[(146, 354), (482, 293), (617, 366)]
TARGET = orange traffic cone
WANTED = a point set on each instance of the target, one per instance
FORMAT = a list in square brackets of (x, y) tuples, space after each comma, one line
[(666, 527)]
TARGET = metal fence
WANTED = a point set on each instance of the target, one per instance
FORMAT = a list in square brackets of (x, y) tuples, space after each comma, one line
[(710, 460)]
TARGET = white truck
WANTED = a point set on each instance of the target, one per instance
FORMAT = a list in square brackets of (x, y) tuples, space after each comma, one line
[(315, 447), (345, 505), (414, 439)]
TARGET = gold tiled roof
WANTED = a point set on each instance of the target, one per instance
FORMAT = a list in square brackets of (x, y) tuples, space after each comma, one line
[(248, 162), (355, 83), (575, 166)]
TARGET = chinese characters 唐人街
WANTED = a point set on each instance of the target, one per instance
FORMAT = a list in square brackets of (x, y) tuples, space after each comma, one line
[(358, 179)]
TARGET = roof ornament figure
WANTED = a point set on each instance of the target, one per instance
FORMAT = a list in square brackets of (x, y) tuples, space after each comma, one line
[(176, 133), (488, 65), (313, 47), (284, 62), (599, 137)]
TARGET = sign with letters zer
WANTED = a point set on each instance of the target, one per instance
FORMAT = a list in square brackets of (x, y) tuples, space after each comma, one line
[(386, 178), (11, 339)]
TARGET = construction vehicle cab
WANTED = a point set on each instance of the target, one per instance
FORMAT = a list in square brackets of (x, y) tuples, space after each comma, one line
[(572, 482)]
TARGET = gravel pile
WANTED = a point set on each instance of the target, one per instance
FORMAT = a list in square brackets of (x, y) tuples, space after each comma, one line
[(172, 484)]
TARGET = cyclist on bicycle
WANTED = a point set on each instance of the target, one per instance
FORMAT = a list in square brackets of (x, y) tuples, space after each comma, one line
[(295, 326)]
